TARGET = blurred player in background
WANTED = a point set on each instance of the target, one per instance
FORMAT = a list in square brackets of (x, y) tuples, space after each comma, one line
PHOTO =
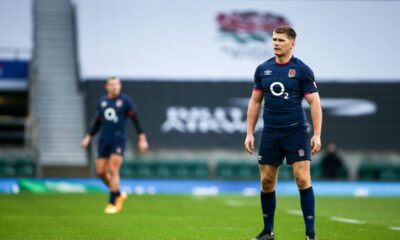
[(283, 81), (331, 163), (112, 112)]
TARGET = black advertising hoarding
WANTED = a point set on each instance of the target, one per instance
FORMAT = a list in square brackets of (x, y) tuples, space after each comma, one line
[(212, 115)]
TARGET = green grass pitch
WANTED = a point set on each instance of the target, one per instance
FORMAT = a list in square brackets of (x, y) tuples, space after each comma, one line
[(80, 216)]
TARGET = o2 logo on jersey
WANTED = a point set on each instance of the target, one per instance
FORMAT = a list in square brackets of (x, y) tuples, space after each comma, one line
[(280, 92), (111, 115)]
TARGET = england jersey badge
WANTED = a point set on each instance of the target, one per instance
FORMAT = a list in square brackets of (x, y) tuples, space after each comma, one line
[(118, 150), (301, 153), (119, 103), (292, 73)]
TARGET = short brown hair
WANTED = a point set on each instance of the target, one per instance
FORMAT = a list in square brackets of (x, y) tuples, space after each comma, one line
[(112, 78), (286, 30)]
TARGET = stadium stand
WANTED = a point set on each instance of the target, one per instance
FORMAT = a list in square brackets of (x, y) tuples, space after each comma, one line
[(384, 171), (16, 45), (57, 81), (57, 99), (15, 55)]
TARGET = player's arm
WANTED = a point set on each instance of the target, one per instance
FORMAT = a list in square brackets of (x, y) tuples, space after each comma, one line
[(316, 116), (253, 112), (93, 130), (143, 145)]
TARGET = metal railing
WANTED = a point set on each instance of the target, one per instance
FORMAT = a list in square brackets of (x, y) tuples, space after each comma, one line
[(15, 53)]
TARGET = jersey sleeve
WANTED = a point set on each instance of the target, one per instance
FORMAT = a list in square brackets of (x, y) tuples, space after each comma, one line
[(257, 80), (98, 115), (308, 81), (131, 108), (131, 111), (96, 123)]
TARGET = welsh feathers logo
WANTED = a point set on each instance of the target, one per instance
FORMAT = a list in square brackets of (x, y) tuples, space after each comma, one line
[(249, 26)]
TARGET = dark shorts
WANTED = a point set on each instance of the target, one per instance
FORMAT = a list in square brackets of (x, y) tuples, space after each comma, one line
[(108, 146), (277, 144)]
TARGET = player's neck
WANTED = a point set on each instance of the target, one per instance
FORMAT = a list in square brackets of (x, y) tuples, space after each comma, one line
[(283, 59), (112, 96)]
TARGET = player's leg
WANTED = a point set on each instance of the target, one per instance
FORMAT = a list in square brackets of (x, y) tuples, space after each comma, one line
[(269, 176), (301, 171), (102, 170), (113, 165), (103, 153), (297, 150), (270, 158), (120, 197)]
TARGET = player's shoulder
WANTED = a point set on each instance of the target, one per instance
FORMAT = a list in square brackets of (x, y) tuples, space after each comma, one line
[(102, 102), (103, 98), (125, 97), (304, 67), (267, 63)]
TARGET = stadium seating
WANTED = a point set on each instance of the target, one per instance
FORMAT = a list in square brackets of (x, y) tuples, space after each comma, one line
[(143, 169), (182, 169), (378, 171), (17, 167), (242, 169), (389, 173), (199, 169), (285, 172), (316, 171), (247, 169), (126, 170), (25, 167), (368, 171), (6, 168), (226, 169), (16, 45), (164, 168), (343, 173)]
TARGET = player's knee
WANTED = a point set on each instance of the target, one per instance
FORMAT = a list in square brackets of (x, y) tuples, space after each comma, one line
[(267, 184), (101, 174), (302, 181), (114, 167), (114, 171)]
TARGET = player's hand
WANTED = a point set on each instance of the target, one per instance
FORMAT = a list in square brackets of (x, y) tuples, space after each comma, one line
[(86, 141), (315, 144), (249, 144), (143, 145)]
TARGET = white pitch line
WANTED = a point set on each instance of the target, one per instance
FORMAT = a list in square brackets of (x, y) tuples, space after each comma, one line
[(347, 220), (295, 212), (394, 228), (234, 203), (336, 219)]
